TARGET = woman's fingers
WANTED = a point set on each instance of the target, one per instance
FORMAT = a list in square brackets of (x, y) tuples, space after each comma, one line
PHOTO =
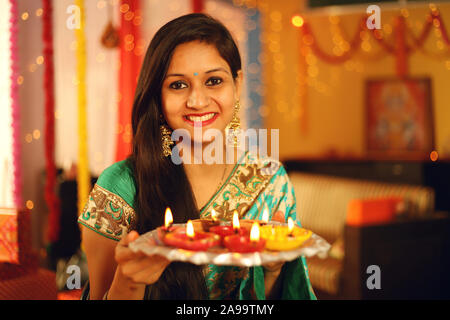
[(151, 271), (136, 265), (123, 253), (145, 269)]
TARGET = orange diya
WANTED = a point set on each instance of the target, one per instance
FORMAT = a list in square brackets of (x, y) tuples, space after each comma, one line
[(244, 243), (187, 238), (284, 238)]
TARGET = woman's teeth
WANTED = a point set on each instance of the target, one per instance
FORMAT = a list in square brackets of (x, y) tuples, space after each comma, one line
[(206, 117)]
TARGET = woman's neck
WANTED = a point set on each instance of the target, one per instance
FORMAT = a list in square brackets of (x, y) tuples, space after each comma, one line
[(206, 178)]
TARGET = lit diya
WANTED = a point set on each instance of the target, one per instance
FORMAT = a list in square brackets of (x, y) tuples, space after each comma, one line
[(206, 224), (244, 243), (227, 230), (284, 238), (187, 238), (168, 221), (248, 223)]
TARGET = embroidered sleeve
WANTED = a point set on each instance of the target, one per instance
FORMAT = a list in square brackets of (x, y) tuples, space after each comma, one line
[(107, 214)]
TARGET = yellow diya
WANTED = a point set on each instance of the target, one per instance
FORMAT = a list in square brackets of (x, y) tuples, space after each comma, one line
[(284, 238)]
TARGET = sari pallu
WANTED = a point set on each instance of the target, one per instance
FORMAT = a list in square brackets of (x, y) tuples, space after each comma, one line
[(253, 185)]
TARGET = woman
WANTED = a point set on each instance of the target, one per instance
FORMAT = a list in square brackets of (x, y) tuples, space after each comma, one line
[(191, 79)]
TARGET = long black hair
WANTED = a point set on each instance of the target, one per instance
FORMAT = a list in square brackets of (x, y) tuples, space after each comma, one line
[(159, 182)]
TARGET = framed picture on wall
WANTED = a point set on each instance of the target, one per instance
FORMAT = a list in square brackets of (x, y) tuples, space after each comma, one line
[(399, 122)]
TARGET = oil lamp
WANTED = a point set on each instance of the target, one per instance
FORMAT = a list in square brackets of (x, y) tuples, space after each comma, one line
[(284, 237), (226, 230), (206, 224), (189, 239), (245, 243)]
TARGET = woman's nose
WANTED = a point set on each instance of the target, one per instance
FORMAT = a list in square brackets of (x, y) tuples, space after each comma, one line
[(198, 98)]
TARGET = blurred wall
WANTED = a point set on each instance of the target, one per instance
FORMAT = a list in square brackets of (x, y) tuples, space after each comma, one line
[(318, 107)]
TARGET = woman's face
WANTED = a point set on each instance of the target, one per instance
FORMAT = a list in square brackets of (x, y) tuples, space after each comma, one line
[(199, 89)]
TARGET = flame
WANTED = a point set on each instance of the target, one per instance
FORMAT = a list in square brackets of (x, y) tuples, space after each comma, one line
[(290, 225), (190, 229), (265, 216), (236, 225), (168, 218), (254, 232), (213, 215)]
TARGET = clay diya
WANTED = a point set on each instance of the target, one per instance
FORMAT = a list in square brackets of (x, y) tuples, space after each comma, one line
[(206, 224), (227, 230), (284, 238), (244, 243), (187, 238)]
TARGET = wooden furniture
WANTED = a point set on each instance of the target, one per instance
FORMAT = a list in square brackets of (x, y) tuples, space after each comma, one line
[(413, 257)]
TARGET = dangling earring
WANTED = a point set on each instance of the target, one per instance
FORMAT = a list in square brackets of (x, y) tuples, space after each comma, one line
[(233, 130), (166, 140)]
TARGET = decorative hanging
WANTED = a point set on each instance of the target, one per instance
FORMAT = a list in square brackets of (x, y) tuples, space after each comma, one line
[(83, 175), (50, 196), (15, 106), (131, 51), (401, 48)]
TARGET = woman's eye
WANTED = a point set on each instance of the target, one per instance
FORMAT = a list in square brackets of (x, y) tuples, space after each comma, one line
[(178, 85), (213, 81)]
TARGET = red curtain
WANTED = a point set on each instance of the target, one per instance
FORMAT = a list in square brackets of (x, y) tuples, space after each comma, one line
[(131, 52), (51, 197)]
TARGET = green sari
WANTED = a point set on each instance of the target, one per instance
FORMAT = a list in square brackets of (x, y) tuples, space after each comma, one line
[(254, 184)]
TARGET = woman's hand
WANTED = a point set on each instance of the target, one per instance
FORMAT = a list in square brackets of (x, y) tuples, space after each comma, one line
[(134, 270), (138, 267)]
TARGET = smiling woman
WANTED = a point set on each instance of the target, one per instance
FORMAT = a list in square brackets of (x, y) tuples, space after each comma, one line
[(191, 79), (205, 100)]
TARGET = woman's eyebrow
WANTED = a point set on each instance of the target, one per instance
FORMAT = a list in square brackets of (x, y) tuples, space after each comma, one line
[(209, 71)]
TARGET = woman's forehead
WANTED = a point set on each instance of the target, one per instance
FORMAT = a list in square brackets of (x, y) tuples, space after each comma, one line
[(196, 55)]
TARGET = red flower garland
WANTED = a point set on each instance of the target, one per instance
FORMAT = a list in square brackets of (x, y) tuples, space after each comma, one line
[(130, 63), (50, 183)]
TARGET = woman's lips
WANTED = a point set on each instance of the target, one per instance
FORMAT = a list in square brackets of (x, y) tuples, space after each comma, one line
[(202, 119)]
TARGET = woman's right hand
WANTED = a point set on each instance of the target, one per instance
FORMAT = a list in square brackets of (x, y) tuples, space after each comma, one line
[(135, 270)]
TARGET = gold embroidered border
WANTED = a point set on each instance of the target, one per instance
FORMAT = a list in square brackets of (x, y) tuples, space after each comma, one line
[(107, 213), (242, 189)]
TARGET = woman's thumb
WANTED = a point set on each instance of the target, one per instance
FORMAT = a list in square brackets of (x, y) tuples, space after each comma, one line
[(130, 237)]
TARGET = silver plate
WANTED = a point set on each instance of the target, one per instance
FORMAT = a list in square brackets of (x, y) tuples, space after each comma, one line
[(315, 245)]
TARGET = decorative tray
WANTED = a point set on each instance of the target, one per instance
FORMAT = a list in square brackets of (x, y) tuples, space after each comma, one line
[(150, 244)]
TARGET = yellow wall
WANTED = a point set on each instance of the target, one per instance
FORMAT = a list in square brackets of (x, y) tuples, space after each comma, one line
[(332, 102)]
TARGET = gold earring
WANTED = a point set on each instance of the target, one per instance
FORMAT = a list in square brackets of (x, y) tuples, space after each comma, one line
[(233, 129), (166, 140)]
